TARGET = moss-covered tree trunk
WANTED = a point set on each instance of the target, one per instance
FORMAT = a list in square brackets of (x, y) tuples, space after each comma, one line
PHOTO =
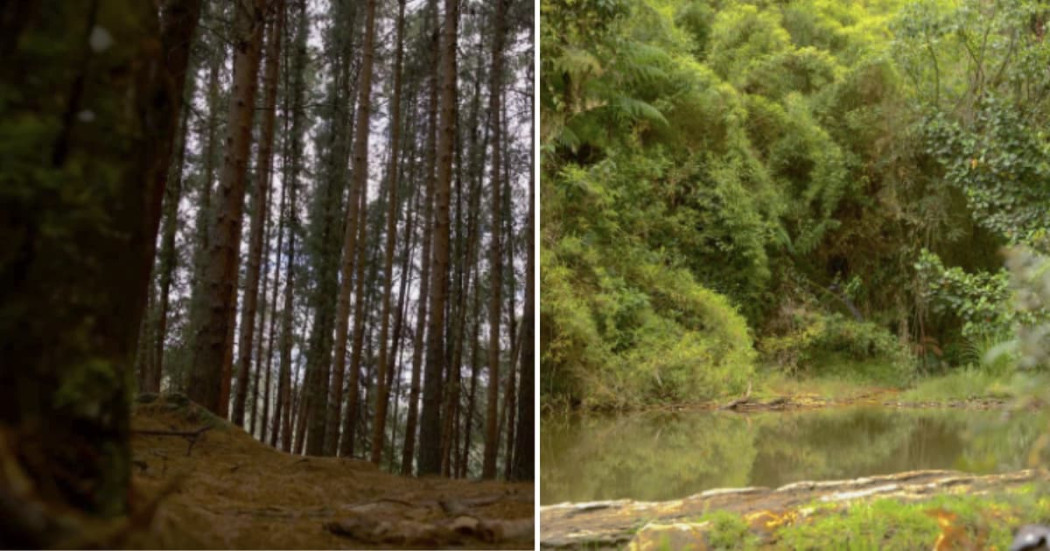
[(82, 167)]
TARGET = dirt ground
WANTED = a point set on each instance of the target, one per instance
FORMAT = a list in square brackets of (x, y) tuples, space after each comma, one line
[(224, 489)]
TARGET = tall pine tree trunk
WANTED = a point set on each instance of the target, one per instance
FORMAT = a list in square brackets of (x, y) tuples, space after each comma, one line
[(210, 138), (477, 175), (510, 404), (429, 455), (362, 297), (260, 321), (495, 255), (284, 413), (475, 368), (409, 450), (355, 225), (450, 431), (212, 338), (393, 204), (524, 448), (263, 170), (402, 302), (327, 226), (282, 218), (168, 258)]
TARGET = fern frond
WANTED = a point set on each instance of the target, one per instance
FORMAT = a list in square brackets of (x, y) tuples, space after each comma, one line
[(578, 63)]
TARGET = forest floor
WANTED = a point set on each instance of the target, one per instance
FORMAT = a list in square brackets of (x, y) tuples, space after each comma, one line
[(224, 489), (917, 510)]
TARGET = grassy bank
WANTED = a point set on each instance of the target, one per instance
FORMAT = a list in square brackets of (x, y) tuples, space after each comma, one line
[(943, 522), (960, 385)]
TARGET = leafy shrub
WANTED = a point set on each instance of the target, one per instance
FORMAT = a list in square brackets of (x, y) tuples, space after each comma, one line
[(822, 344), (980, 300), (648, 334)]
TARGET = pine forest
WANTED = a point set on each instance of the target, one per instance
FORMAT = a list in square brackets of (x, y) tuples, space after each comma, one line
[(265, 273)]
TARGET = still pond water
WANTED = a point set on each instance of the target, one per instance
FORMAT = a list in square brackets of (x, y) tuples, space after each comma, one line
[(661, 456)]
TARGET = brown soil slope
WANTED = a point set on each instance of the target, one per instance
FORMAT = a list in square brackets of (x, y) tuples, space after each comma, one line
[(224, 489)]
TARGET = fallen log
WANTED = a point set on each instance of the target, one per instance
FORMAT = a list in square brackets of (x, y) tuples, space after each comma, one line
[(191, 435)]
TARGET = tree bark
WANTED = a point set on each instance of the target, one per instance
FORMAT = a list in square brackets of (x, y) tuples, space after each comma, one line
[(259, 320), (429, 455), (450, 430), (523, 468), (402, 307), (212, 340), (282, 217), (327, 229), (211, 139), (283, 413), (477, 174), (475, 368), (268, 385), (263, 171), (168, 257), (488, 470), (408, 451), (355, 225), (510, 405), (393, 204)]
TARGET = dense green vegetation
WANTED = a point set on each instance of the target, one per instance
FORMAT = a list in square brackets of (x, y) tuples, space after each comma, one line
[(804, 186)]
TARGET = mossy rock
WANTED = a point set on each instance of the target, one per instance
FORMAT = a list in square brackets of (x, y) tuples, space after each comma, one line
[(181, 406), (198, 414), (176, 400)]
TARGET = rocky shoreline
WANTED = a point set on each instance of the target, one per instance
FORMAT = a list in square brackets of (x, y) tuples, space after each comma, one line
[(650, 525)]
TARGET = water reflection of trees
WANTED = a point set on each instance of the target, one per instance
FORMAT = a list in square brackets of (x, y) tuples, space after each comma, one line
[(643, 456), (665, 456)]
